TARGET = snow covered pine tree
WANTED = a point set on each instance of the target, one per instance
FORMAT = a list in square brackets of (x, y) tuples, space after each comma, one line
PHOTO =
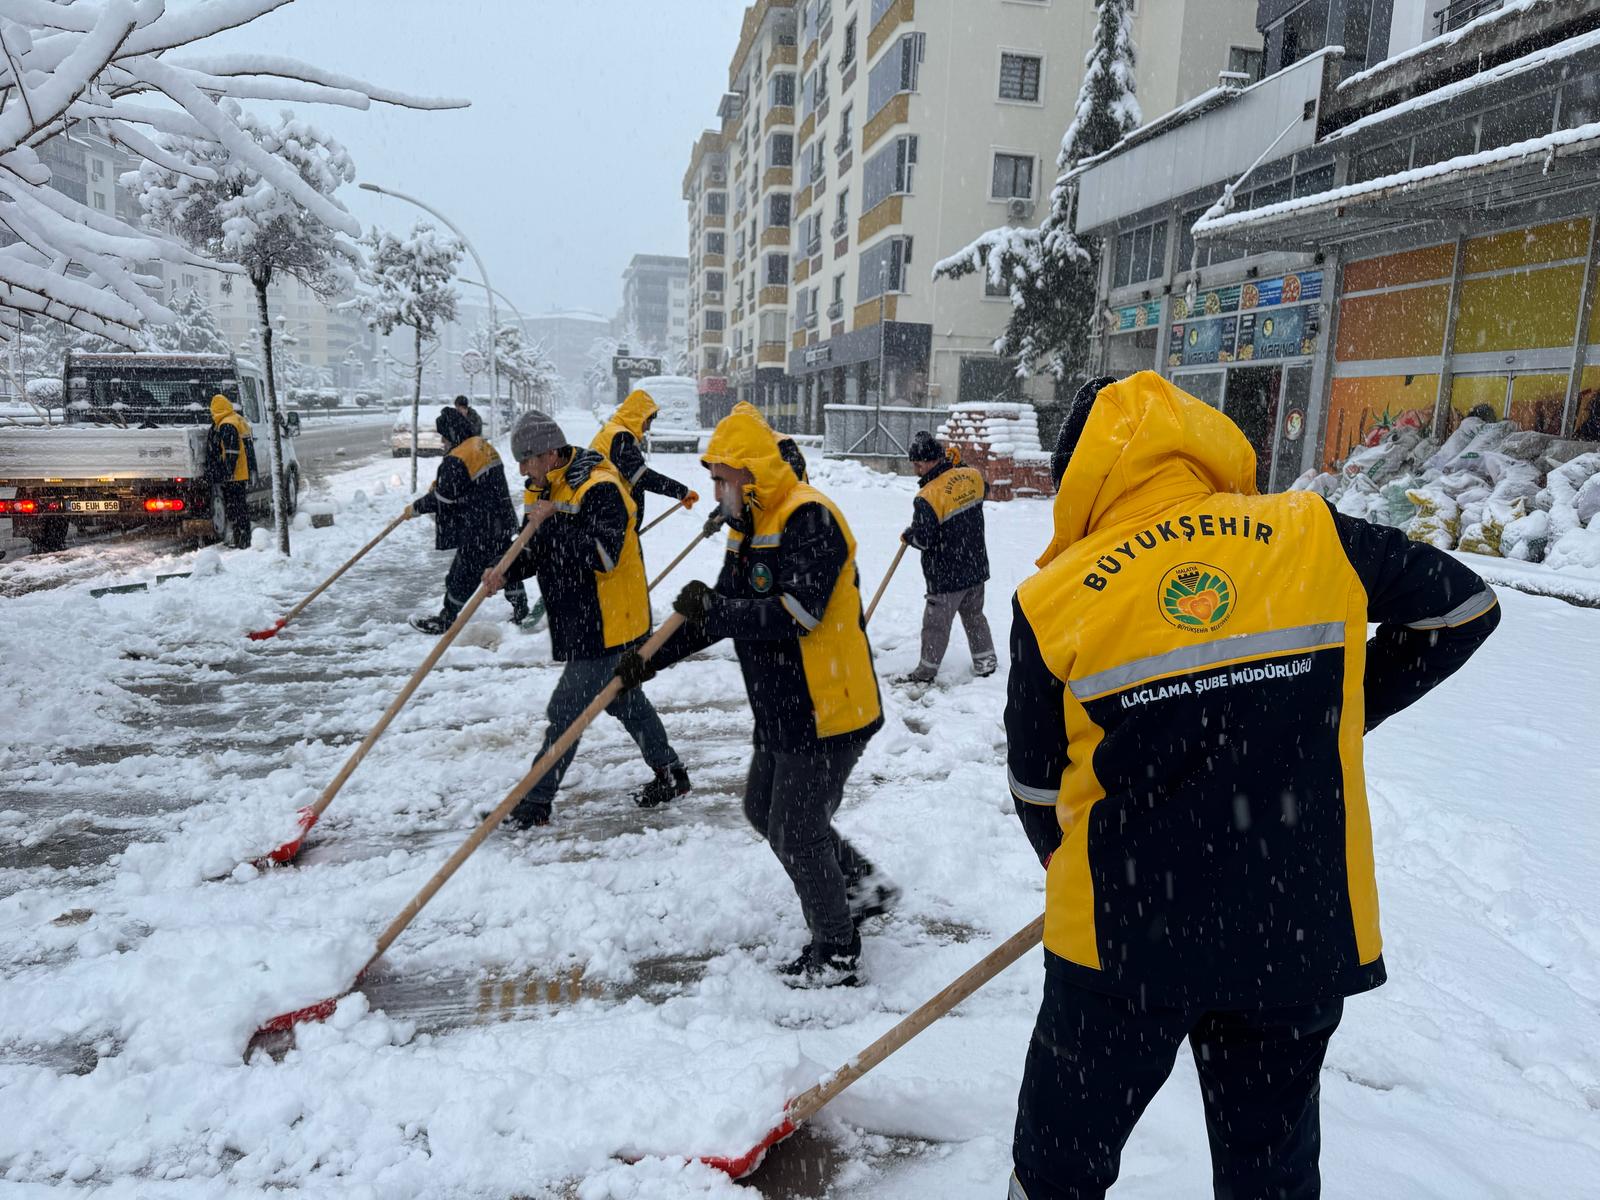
[(1050, 272), (409, 281)]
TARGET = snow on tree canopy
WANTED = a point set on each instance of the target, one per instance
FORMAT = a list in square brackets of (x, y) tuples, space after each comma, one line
[(1049, 272), (97, 64), (409, 280)]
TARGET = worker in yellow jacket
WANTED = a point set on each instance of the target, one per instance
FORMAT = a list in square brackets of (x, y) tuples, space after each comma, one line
[(1190, 682), (622, 441), (789, 596), (230, 463)]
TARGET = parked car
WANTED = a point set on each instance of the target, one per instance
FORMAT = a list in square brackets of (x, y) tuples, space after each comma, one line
[(428, 439), (677, 424)]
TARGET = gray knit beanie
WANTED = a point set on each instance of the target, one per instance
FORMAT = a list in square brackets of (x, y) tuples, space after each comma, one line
[(535, 433)]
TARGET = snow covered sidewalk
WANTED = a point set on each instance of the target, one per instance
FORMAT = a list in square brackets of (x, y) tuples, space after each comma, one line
[(602, 989)]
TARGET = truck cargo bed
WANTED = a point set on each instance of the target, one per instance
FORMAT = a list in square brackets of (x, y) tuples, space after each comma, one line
[(77, 452)]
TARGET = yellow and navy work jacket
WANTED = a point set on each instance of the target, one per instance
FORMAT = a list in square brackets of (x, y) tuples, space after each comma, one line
[(230, 448), (470, 500), (621, 440), (789, 596), (1190, 682), (947, 527), (586, 556)]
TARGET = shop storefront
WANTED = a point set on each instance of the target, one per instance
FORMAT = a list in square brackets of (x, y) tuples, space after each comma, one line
[(846, 369), (1498, 325), (1249, 348)]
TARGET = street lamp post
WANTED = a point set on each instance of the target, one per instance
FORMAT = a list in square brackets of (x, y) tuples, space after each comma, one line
[(494, 320)]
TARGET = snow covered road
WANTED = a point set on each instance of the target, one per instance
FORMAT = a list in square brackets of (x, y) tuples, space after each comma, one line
[(602, 989)]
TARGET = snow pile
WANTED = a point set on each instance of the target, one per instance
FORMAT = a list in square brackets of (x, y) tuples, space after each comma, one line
[(1490, 489)]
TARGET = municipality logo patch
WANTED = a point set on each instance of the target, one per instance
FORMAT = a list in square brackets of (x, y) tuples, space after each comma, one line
[(1197, 597), (761, 578)]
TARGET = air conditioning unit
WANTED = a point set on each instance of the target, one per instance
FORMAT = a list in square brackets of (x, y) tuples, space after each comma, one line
[(1019, 208)]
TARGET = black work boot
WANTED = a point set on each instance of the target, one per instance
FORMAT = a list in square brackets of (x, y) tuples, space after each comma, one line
[(670, 783), (825, 964), (519, 609), (528, 814), (434, 625), (872, 897)]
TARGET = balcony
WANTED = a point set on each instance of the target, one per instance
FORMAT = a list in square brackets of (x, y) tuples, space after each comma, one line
[(887, 213), (814, 244), (778, 235), (777, 177), (802, 270), (772, 354), (836, 310), (896, 112), (894, 15), (840, 227), (811, 318), (1458, 12), (782, 115), (777, 294)]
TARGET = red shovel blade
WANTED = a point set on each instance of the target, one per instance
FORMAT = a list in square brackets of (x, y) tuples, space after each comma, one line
[(261, 635), (287, 852), (320, 1011), (745, 1164)]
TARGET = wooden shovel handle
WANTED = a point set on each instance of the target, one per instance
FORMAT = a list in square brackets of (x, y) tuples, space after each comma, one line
[(809, 1103), (882, 587), (662, 517), (710, 528), (358, 556), (417, 676), (535, 773)]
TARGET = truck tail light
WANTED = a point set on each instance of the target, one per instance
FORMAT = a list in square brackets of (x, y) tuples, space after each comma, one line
[(163, 504), (28, 508)]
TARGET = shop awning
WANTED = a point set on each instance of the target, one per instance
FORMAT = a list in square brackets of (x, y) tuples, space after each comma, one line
[(1464, 189)]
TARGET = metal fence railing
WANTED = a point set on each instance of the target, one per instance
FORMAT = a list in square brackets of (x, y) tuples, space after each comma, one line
[(867, 431), (1458, 12)]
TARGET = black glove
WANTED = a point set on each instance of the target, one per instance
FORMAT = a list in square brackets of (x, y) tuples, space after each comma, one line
[(632, 670), (906, 537), (713, 523), (694, 602)]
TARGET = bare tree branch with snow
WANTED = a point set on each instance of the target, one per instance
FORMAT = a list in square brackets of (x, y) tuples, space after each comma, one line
[(103, 64)]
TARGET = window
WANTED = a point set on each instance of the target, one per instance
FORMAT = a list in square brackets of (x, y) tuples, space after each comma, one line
[(889, 172), (777, 270), (992, 289), (848, 57), (100, 201), (1019, 77), (879, 8), (1012, 177), (1380, 161), (778, 210), (1246, 61), (811, 233), (1141, 254), (1580, 101), (1313, 180), (780, 91), (715, 281), (716, 242), (808, 99), (896, 72), (716, 203), (838, 290), (822, 82), (1447, 141), (714, 320), (780, 150), (1524, 118), (1303, 32), (883, 268), (841, 213), (846, 133), (99, 171)]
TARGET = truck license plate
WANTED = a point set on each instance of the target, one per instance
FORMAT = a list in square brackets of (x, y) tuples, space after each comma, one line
[(93, 505)]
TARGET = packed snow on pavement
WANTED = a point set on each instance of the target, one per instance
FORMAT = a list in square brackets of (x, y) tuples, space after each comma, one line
[(586, 1005)]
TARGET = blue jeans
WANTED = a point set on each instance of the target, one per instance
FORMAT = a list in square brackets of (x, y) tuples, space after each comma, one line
[(581, 681)]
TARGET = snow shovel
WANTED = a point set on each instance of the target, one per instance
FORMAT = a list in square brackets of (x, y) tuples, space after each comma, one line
[(806, 1105), (308, 816), (713, 523), (662, 517), (882, 587), (323, 1009), (261, 635)]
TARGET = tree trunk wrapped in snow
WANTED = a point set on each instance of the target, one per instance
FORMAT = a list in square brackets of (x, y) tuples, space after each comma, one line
[(224, 205), (1051, 274), (106, 64), (408, 281)]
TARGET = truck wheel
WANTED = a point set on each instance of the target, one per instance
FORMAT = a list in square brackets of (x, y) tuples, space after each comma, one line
[(217, 529), (294, 492), (48, 534)]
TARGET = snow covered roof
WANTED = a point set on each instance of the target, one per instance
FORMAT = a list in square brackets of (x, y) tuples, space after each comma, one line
[(1508, 10), (1537, 60), (1563, 143)]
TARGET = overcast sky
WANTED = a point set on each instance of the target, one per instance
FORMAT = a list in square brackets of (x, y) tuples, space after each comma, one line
[(571, 158)]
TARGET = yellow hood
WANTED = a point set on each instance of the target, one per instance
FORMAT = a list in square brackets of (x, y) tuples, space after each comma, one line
[(633, 412), (1147, 446), (743, 441), (221, 410)]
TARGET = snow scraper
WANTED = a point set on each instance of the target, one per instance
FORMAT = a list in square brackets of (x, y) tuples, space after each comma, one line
[(323, 1009), (806, 1105), (261, 635), (308, 816)]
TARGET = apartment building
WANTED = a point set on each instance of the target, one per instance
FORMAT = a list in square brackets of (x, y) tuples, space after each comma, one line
[(863, 140), (655, 300)]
